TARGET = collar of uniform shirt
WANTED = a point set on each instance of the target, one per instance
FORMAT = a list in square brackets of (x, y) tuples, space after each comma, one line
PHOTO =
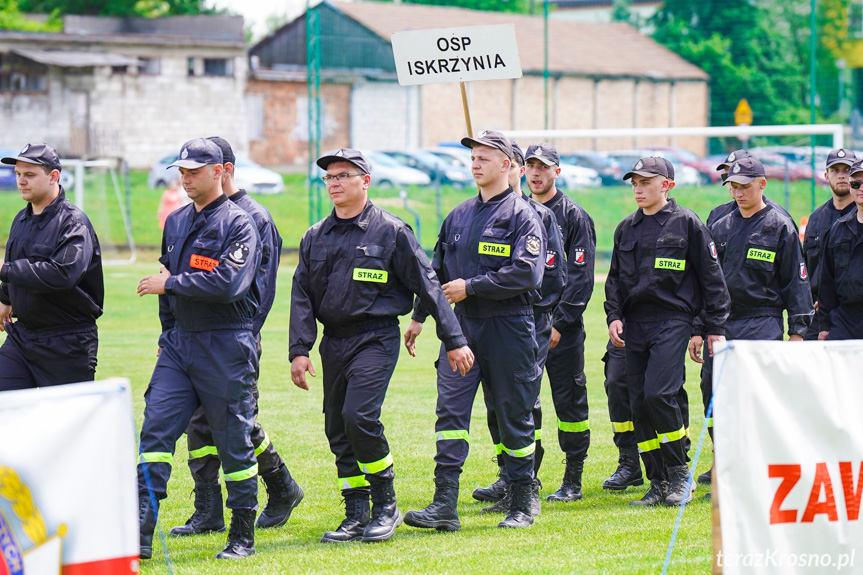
[(661, 216), (362, 220)]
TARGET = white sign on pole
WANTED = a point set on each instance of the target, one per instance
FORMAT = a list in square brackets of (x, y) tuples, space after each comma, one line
[(456, 54), (789, 456)]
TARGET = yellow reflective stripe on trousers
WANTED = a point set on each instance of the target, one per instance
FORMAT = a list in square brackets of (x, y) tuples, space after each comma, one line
[(622, 426), (263, 446), (523, 452), (452, 434), (573, 426), (376, 466), (671, 436), (353, 482), (203, 452), (649, 445), (710, 422), (157, 457), (242, 475), (498, 448), (537, 435)]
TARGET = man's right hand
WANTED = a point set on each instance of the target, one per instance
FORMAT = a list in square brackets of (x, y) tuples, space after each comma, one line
[(615, 330), (695, 344), (299, 367), (822, 335), (460, 359), (413, 331), (5, 315)]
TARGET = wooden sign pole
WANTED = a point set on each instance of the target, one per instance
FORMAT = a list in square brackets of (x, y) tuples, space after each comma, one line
[(466, 110)]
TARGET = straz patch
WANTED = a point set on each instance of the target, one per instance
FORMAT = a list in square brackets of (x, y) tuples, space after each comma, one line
[(761, 255), (669, 264), (550, 259), (238, 253), (803, 274), (203, 263), (532, 245), (712, 248), (366, 275), (578, 256), (497, 249)]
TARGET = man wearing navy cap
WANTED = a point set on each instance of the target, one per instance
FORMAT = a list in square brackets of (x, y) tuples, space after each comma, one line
[(208, 302), (489, 257), (664, 271), (838, 175), (284, 492), (761, 258), (359, 270), (50, 281)]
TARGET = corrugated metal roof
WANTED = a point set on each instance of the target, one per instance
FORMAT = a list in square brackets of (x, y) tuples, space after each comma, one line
[(69, 59)]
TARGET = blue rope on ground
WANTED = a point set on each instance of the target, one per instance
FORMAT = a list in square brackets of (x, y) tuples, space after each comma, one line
[(691, 478), (153, 502)]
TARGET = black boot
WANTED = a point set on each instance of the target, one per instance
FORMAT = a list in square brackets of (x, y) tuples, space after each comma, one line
[(356, 517), (680, 491), (655, 495), (241, 537), (283, 494), (385, 514), (570, 487), (504, 504), (493, 492), (519, 515), (535, 501), (442, 512), (208, 516), (147, 515), (628, 471)]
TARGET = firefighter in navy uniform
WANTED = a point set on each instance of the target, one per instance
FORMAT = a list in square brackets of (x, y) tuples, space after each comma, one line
[(663, 272), (358, 271), (566, 346), (840, 294), (761, 258), (838, 174), (208, 301), (553, 283), (284, 493), (50, 281), (489, 257)]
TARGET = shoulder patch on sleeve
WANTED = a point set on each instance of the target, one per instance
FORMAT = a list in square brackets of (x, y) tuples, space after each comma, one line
[(803, 274), (550, 259), (578, 256), (712, 247), (238, 253), (532, 245)]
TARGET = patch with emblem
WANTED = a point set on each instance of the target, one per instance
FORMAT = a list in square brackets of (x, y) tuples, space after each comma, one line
[(185, 153), (736, 168), (203, 263), (639, 165), (803, 274), (550, 259), (238, 253), (24, 151), (841, 153), (731, 157), (532, 245), (712, 248), (578, 256)]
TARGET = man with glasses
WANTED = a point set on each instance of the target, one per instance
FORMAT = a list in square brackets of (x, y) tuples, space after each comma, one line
[(359, 269)]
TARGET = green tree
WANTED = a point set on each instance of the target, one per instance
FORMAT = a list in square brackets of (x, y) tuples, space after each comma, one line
[(145, 8), (11, 18)]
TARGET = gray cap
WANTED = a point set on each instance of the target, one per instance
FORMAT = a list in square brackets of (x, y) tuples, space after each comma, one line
[(227, 152), (744, 171), (41, 154), (544, 152), (733, 157), (197, 153), (492, 139), (651, 166), (841, 156), (857, 167), (517, 153), (355, 157)]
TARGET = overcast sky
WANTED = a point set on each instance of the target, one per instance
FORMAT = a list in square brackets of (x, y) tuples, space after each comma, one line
[(256, 12)]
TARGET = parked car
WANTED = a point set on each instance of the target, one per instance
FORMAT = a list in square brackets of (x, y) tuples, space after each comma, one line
[(448, 172), (458, 154), (572, 177), (8, 182), (388, 173), (608, 169), (683, 175), (248, 175), (687, 158)]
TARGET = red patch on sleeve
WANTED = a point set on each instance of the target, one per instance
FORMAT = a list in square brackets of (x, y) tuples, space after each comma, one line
[(203, 263)]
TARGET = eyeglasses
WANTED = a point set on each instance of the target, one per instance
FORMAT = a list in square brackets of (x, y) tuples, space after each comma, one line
[(856, 184), (338, 177)]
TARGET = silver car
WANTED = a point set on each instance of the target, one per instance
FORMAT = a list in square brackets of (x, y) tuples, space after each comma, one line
[(248, 175)]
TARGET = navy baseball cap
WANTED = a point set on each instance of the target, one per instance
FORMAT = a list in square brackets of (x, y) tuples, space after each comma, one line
[(517, 153), (197, 153), (492, 139), (841, 156), (227, 152), (733, 157), (355, 157), (544, 152), (651, 166), (41, 154), (857, 167), (744, 171)]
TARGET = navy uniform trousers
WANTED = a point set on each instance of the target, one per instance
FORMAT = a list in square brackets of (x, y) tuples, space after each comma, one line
[(47, 357), (213, 370), (845, 325), (203, 461), (568, 382), (506, 352)]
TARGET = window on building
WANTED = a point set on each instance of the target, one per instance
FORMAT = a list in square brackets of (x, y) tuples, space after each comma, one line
[(218, 67), (855, 20), (149, 66), (190, 67), (18, 74), (119, 69), (255, 116)]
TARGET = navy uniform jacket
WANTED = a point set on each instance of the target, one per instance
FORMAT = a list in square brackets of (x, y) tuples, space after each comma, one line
[(665, 267), (554, 276), (52, 275), (497, 247), (842, 270), (579, 243), (360, 275), (820, 222), (213, 256), (723, 210), (271, 249), (764, 268)]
